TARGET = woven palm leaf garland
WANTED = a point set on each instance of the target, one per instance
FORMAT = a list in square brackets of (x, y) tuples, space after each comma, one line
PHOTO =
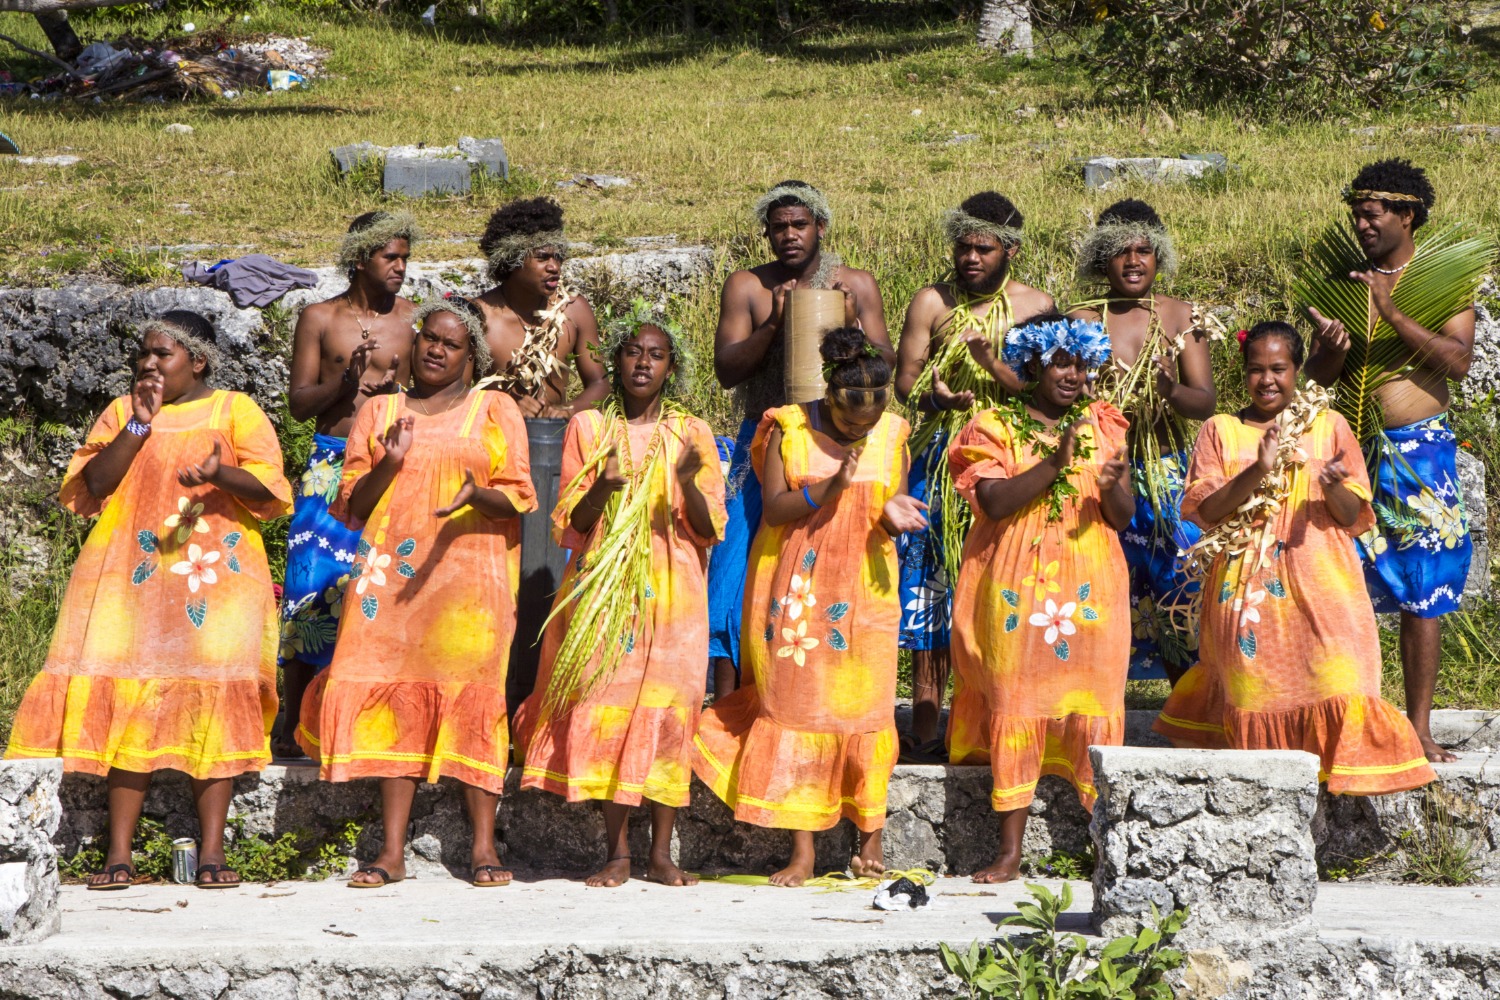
[(612, 582), (956, 367)]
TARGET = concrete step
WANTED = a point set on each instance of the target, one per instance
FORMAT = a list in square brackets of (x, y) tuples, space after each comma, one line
[(435, 938), (939, 818)]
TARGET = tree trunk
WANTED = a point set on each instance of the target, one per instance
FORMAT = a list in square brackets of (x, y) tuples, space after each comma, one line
[(611, 13), (689, 22), (1005, 26), (59, 32)]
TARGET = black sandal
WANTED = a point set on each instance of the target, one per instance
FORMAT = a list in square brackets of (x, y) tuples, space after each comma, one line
[(214, 882), (113, 882), (385, 878)]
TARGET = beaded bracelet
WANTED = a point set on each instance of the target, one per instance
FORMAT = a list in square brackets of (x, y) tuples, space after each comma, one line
[(137, 428)]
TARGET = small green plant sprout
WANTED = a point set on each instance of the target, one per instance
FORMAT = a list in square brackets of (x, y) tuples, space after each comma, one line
[(1441, 850), (1044, 965)]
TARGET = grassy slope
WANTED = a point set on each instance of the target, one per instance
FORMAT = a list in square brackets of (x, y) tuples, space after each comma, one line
[(703, 128)]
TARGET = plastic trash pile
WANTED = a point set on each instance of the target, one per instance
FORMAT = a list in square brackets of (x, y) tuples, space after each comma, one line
[(200, 66)]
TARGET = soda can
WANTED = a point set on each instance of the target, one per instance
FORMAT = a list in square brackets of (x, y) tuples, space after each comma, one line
[(185, 860)]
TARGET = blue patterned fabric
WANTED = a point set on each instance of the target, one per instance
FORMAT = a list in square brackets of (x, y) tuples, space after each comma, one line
[(1417, 556), (1152, 548), (319, 552), (730, 560), (926, 595)]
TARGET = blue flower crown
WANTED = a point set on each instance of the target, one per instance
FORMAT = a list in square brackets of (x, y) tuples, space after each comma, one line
[(1040, 341)]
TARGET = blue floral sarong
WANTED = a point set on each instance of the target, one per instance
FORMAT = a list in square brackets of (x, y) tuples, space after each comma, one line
[(1417, 556), (925, 593), (730, 560), (319, 552), (1153, 547)]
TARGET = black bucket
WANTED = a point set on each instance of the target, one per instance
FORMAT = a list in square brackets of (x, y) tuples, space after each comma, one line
[(542, 561)]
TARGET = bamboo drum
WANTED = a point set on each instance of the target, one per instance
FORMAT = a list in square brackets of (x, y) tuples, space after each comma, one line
[(810, 313)]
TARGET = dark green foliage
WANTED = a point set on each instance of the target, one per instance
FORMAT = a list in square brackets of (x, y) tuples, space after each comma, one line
[(1281, 56)]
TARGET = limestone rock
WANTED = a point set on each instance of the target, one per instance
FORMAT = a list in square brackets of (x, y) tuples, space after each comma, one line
[(1225, 833), (1104, 172), (29, 816), (415, 171)]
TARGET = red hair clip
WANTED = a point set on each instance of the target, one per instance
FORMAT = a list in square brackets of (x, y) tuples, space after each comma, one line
[(1242, 336)]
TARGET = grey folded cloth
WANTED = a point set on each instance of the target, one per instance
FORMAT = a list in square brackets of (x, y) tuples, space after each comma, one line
[(256, 280)]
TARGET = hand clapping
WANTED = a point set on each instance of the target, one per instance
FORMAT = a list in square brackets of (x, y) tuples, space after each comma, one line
[(203, 473)]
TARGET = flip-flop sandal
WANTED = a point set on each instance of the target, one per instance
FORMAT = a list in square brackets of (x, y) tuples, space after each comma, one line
[(113, 884), (385, 878), (491, 883), (214, 883)]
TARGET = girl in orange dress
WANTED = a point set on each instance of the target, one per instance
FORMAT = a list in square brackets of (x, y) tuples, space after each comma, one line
[(434, 476), (628, 736), (811, 736), (1041, 613), (1290, 656), (164, 654)]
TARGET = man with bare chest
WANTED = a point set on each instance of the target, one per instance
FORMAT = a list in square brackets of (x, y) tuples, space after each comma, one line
[(977, 306), (1161, 378), (344, 350), (540, 333), (536, 327), (748, 358), (1417, 556)]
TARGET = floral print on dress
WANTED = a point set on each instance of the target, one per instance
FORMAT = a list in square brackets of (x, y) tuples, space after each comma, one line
[(796, 643), (322, 478), (198, 567), (1057, 620), (369, 571)]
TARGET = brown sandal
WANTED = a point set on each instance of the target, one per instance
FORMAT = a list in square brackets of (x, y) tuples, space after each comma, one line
[(114, 883), (214, 883)]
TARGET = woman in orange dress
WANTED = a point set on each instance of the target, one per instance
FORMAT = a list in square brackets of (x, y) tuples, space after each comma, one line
[(811, 736), (164, 654), (628, 736), (434, 476), (1290, 656), (1041, 613)]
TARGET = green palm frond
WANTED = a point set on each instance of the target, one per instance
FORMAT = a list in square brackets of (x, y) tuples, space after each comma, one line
[(1440, 282)]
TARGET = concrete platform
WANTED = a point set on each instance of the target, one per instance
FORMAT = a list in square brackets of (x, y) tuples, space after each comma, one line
[(440, 939)]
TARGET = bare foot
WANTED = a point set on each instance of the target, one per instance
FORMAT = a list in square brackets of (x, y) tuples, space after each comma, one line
[(870, 861), (1435, 753), (1007, 868), (794, 874), (614, 873), (665, 872), (393, 865)]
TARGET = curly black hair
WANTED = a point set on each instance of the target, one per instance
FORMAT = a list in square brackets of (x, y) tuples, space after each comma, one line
[(854, 366), (993, 207), (786, 200), (362, 222), (1275, 328), (522, 216), (1130, 210), (1398, 176)]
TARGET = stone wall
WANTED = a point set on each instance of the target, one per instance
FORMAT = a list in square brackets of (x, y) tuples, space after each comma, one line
[(1225, 833), (29, 817)]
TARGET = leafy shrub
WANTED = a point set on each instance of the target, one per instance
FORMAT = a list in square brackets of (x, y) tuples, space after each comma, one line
[(1300, 55), (1046, 964)]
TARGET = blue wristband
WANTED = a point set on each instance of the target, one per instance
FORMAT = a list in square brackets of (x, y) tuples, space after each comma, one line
[(810, 501)]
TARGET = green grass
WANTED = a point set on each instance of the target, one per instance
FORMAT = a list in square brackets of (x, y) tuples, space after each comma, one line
[(702, 127)]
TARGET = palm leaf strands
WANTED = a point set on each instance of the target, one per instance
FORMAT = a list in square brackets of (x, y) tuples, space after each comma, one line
[(1439, 282), (832, 882), (957, 369), (1133, 391), (612, 582), (1249, 533)]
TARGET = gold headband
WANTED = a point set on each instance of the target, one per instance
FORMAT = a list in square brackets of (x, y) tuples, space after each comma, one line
[(1353, 195)]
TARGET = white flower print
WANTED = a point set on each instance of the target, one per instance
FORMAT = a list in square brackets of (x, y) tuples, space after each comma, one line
[(1057, 621), (1249, 606), (373, 571), (187, 519), (798, 643), (197, 567), (800, 599)]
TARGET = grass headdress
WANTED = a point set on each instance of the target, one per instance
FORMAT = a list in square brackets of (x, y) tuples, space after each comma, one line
[(957, 224), (793, 192), (618, 329), (467, 314), (1122, 225), (518, 228), (360, 243), (195, 334)]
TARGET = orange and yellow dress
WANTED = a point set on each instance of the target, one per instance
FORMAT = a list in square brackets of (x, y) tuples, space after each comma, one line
[(164, 655), (1041, 619), (631, 737), (416, 688), (1290, 656), (811, 736)]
